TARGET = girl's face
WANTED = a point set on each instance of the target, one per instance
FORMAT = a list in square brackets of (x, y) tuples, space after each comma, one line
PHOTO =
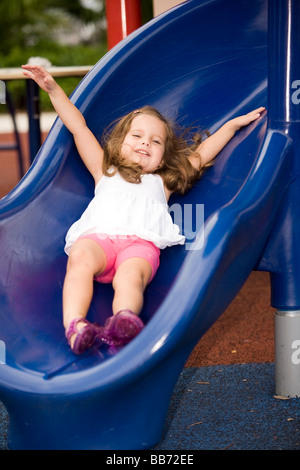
[(145, 142)]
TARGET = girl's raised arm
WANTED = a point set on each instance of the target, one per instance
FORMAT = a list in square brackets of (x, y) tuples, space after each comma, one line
[(87, 145), (211, 146)]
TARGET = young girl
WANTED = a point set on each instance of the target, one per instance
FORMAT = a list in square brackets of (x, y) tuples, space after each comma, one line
[(119, 236)]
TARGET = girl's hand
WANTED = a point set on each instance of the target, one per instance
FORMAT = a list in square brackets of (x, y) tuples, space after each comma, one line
[(87, 145), (246, 119), (211, 146), (40, 76)]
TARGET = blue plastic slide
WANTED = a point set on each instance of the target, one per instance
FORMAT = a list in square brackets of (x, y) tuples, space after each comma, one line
[(201, 63)]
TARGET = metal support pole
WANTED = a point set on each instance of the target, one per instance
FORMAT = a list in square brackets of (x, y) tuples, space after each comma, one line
[(34, 118), (287, 353), (123, 17), (284, 116), (284, 64)]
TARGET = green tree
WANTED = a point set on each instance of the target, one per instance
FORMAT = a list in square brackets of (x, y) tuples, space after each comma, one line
[(26, 24), (31, 28)]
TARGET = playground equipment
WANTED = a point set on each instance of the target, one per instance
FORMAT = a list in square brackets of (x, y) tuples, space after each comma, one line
[(122, 17), (201, 62)]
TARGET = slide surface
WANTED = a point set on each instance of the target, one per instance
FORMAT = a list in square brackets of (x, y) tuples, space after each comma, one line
[(201, 63)]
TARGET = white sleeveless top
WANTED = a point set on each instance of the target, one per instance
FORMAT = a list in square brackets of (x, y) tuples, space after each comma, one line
[(123, 208)]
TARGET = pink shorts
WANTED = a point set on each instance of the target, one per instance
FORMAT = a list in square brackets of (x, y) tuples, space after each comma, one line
[(119, 248)]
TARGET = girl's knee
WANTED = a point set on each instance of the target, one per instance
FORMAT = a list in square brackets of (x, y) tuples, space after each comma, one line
[(78, 255), (85, 255), (134, 273)]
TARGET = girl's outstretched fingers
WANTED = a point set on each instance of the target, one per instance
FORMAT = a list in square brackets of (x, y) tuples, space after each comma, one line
[(40, 76), (246, 119), (257, 112)]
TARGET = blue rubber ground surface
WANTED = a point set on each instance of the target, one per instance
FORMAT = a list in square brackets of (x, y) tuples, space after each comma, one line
[(223, 408), (231, 407)]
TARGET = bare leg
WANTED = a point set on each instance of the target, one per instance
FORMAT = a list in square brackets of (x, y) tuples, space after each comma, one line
[(86, 259), (129, 284)]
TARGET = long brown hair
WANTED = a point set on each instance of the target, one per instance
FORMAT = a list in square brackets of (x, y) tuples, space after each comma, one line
[(177, 172)]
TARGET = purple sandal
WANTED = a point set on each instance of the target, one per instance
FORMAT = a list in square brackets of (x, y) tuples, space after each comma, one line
[(121, 328), (85, 336)]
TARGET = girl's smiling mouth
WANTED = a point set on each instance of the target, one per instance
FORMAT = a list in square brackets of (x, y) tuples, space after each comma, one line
[(143, 152)]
